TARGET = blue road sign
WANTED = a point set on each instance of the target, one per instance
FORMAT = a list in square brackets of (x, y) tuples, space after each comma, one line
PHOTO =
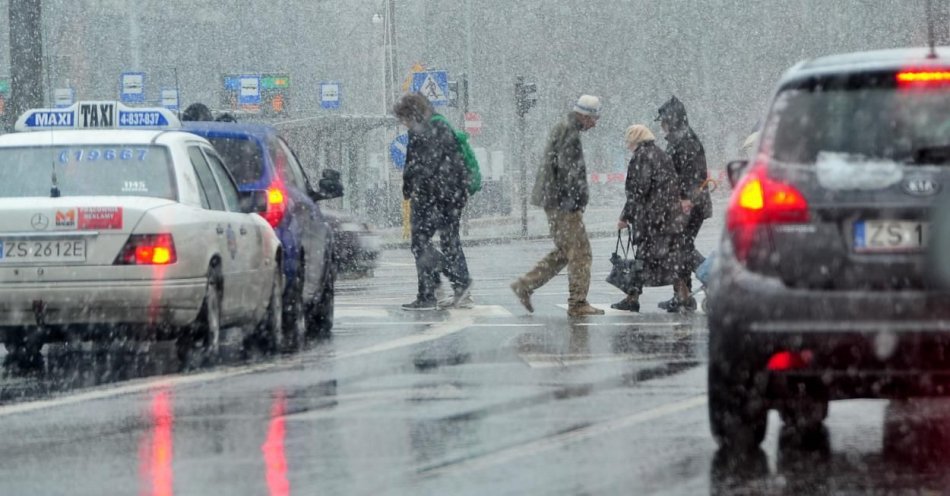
[(249, 90), (330, 96), (132, 87), (397, 151), (434, 85)]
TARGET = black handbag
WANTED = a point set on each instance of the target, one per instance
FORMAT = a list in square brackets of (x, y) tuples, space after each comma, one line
[(626, 273)]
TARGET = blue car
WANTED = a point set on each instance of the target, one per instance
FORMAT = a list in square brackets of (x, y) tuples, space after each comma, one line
[(259, 159)]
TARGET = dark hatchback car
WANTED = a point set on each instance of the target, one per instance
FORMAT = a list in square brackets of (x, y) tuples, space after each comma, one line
[(259, 159), (821, 288), (356, 245)]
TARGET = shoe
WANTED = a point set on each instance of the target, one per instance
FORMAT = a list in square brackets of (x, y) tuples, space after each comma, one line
[(420, 306), (523, 294), (665, 305), (461, 299), (583, 310), (629, 306), (681, 306)]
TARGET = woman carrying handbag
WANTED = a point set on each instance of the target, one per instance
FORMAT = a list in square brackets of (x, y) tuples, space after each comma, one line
[(652, 214)]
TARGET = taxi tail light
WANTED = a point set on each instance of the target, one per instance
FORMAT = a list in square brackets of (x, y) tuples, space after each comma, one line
[(148, 249), (276, 204), (757, 201), (790, 360), (923, 78)]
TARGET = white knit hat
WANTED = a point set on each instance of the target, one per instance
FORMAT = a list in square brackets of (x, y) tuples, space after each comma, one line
[(588, 105)]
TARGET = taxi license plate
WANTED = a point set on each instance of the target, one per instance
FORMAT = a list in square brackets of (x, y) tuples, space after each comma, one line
[(41, 251), (890, 236)]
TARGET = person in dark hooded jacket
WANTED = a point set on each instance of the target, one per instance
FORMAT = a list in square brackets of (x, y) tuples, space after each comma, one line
[(435, 181), (650, 212), (689, 160)]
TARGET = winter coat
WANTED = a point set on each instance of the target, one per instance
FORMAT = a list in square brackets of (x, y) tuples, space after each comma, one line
[(435, 178), (562, 177), (653, 211), (689, 160)]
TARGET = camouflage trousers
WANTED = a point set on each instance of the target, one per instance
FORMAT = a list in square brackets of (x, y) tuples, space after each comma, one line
[(571, 250)]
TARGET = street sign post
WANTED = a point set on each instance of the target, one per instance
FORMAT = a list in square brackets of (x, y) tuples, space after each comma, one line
[(63, 97), (397, 151), (330, 95), (434, 85), (473, 123), (132, 87), (170, 99)]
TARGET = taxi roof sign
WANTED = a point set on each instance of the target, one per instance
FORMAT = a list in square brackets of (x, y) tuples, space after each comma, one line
[(97, 115)]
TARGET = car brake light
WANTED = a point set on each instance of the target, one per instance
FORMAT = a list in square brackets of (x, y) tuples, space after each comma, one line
[(923, 78), (276, 204), (759, 200), (787, 360), (148, 249)]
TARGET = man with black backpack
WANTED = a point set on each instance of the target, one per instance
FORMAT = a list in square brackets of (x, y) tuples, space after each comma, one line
[(436, 181)]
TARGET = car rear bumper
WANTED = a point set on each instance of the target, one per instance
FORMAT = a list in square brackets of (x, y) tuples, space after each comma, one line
[(860, 344), (170, 302)]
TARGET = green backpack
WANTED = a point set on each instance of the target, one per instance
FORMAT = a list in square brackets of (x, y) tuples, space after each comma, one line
[(471, 163)]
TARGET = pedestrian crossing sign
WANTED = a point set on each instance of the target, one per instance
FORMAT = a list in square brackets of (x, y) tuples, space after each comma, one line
[(434, 85)]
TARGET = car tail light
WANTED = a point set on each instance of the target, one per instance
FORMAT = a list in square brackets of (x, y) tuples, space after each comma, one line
[(757, 201), (148, 249), (789, 360), (923, 78), (276, 204)]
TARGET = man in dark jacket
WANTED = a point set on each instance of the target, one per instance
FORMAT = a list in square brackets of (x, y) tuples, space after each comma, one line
[(561, 190), (689, 160), (435, 181)]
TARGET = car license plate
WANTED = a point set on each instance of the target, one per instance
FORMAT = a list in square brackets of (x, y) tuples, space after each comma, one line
[(889, 236), (42, 251)]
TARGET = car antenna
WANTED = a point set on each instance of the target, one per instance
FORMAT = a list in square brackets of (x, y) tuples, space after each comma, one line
[(930, 30), (54, 191), (177, 94)]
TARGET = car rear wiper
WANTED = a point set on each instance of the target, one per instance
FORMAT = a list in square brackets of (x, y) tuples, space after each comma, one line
[(932, 155)]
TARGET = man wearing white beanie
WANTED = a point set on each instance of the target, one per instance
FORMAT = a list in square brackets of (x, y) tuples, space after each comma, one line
[(561, 190)]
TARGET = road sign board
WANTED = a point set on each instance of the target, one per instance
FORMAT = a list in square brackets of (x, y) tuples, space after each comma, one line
[(434, 85), (250, 90), (63, 97), (330, 95), (170, 99), (397, 151), (132, 87), (473, 123)]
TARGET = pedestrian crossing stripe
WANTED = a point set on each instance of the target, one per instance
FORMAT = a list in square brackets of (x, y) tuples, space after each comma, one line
[(378, 312)]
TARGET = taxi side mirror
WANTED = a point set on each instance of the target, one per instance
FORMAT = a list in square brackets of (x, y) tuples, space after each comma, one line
[(735, 169), (253, 201), (329, 187)]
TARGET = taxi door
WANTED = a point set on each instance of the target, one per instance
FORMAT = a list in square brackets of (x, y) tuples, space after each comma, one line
[(220, 220), (246, 240)]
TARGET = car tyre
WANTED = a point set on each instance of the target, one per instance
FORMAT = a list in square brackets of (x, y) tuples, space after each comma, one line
[(270, 330), (738, 415), (320, 312), (204, 334), (295, 314)]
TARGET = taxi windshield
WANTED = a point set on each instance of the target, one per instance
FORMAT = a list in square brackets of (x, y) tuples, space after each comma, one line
[(87, 170)]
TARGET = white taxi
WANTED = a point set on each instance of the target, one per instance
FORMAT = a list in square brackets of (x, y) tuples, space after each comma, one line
[(113, 223)]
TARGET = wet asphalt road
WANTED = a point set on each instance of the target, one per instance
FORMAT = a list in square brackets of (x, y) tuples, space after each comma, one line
[(483, 401)]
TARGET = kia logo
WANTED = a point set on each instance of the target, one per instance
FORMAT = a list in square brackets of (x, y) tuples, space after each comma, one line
[(921, 186), (39, 222)]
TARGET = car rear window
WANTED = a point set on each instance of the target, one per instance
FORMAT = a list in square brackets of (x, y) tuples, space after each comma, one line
[(877, 121), (242, 156), (87, 170)]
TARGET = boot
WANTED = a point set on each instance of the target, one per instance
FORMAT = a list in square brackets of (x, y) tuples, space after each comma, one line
[(683, 300), (630, 304), (583, 310), (523, 293)]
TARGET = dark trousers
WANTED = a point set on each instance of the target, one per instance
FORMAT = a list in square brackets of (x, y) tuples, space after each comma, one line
[(430, 262), (687, 246)]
